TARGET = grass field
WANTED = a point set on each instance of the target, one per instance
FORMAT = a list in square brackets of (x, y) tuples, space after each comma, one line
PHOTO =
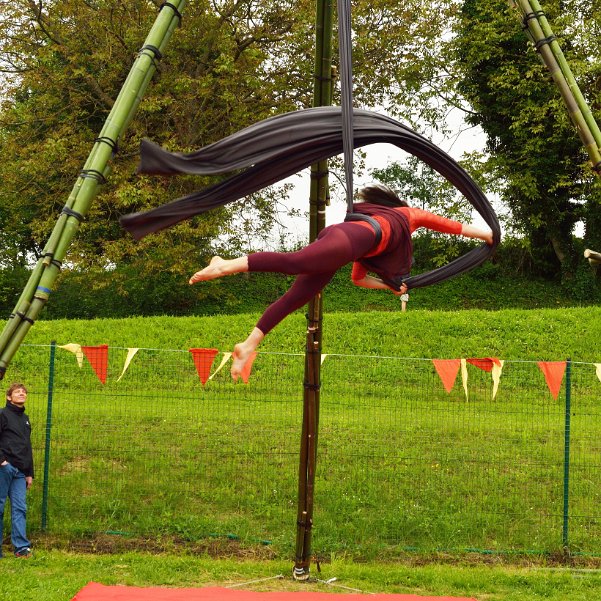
[(432, 493), (57, 576), (402, 465)]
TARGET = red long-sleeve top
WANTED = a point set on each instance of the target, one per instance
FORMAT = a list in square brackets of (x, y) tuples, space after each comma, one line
[(390, 253)]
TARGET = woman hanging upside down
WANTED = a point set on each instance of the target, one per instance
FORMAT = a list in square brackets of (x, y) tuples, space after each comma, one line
[(337, 245)]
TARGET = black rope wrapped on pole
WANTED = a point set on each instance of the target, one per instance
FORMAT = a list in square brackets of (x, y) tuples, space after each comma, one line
[(280, 146), (42, 279)]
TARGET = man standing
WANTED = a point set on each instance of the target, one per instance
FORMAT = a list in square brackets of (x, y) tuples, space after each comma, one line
[(16, 466)]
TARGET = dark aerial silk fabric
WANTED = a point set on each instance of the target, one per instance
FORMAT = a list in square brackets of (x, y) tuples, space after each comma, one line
[(280, 146)]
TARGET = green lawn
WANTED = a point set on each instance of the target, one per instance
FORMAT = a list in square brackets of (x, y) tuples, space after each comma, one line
[(58, 576)]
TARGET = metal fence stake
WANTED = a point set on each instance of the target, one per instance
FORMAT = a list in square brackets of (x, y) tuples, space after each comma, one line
[(51, 364), (566, 456)]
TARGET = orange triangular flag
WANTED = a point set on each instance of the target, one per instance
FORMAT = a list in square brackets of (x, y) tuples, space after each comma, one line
[(245, 374), (203, 359), (98, 357), (553, 371), (485, 363), (447, 370)]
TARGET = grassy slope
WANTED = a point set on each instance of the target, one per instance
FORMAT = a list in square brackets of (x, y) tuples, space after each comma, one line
[(538, 334)]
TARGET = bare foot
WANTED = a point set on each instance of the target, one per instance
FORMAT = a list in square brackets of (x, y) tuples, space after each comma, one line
[(215, 269), (240, 356), (243, 352)]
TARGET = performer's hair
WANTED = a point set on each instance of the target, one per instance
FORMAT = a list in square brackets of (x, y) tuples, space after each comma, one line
[(379, 194)]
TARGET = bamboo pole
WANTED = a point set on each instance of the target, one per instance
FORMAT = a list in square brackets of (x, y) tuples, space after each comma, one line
[(594, 258), (319, 197), (539, 31), (95, 170)]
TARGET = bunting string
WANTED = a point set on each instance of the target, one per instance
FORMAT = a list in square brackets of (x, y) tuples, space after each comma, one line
[(447, 369)]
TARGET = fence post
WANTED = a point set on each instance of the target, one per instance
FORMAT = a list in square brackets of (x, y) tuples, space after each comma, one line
[(566, 455), (48, 431)]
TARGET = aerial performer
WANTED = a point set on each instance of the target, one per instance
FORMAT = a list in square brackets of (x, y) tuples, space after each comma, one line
[(376, 235), (336, 245)]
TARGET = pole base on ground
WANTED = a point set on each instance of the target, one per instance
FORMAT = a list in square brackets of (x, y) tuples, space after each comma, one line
[(300, 574)]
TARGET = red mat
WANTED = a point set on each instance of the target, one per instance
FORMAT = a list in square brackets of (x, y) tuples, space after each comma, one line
[(100, 592)]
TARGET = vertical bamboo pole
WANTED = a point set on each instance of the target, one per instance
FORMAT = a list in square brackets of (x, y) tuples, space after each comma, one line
[(43, 276), (318, 200)]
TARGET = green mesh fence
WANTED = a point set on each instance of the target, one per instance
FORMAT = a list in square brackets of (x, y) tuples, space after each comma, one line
[(402, 464)]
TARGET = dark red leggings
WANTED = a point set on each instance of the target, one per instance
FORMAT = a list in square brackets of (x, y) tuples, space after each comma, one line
[(315, 265)]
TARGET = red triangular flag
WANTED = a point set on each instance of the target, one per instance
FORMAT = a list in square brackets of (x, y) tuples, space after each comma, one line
[(98, 357), (447, 370), (553, 371), (203, 359), (485, 363), (245, 373)]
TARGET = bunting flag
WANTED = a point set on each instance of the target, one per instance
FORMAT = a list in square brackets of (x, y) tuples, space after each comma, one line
[(130, 355), (248, 367), (464, 378), (203, 360), (447, 370), (497, 369), (553, 371), (226, 358), (489, 364), (598, 370), (485, 363), (76, 350), (98, 357)]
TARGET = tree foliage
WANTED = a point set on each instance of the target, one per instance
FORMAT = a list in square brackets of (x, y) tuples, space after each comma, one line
[(536, 157), (230, 64), (65, 63)]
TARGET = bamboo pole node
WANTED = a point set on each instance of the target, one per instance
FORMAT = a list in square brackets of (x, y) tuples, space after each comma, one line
[(173, 8), (112, 144), (71, 213)]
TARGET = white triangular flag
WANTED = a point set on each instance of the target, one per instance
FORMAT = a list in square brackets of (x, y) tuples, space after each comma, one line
[(496, 376), (226, 358), (130, 355), (74, 348)]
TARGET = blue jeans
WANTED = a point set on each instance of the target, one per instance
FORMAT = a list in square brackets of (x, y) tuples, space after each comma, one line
[(14, 487)]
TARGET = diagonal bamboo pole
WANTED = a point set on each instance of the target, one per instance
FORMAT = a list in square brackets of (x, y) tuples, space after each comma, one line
[(539, 31), (43, 277), (594, 258), (319, 198)]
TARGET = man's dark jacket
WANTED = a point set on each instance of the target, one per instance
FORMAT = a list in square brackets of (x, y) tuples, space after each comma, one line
[(15, 438)]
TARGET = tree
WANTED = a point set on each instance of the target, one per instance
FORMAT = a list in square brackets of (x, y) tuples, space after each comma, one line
[(535, 157), (229, 65), (68, 60)]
